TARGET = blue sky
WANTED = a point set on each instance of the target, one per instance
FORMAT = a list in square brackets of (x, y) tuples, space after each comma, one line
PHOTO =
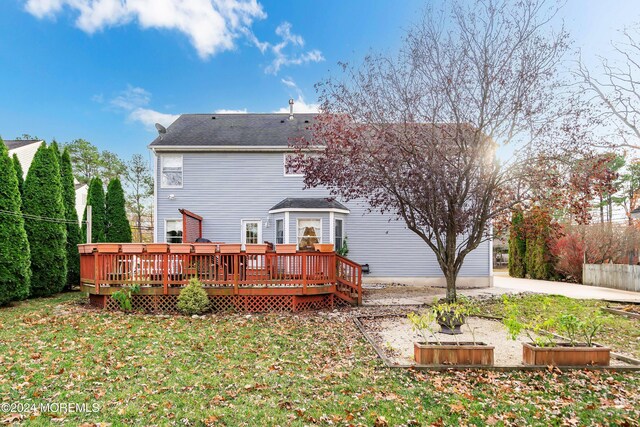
[(99, 71)]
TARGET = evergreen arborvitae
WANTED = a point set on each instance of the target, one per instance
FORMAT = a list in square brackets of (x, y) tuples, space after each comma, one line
[(118, 228), (48, 233), (73, 228), (95, 199), (19, 174), (56, 150), (15, 271), (517, 245), (538, 258)]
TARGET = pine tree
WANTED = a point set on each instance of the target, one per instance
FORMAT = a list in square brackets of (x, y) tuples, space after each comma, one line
[(517, 245), (48, 233), (95, 199), (19, 174), (73, 228), (118, 227), (15, 271)]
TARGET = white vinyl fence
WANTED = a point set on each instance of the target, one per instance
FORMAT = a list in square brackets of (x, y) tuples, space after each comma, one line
[(615, 276)]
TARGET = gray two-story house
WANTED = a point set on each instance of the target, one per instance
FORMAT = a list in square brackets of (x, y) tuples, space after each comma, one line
[(230, 171)]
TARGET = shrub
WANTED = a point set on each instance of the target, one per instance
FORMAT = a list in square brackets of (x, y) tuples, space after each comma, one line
[(517, 245), (117, 224), (15, 273), (123, 296), (95, 199), (569, 254), (73, 228), (45, 225), (193, 298), (19, 174)]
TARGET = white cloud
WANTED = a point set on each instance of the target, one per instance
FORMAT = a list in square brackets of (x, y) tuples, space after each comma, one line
[(150, 117), (299, 105), (225, 111), (211, 25), (134, 100), (283, 58)]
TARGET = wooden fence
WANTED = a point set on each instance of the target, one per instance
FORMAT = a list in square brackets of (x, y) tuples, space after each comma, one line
[(616, 276)]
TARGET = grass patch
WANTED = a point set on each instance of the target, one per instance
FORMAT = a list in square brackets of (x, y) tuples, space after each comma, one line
[(283, 369), (620, 332)]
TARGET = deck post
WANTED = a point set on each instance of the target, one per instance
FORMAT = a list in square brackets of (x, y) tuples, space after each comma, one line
[(304, 273), (359, 286), (236, 268), (165, 273), (96, 278)]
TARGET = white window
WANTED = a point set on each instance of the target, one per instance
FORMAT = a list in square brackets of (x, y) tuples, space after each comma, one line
[(251, 231), (171, 167), (338, 233), (279, 231), (173, 231), (289, 170), (309, 232)]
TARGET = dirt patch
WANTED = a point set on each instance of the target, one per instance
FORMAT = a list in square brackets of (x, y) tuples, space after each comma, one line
[(395, 337)]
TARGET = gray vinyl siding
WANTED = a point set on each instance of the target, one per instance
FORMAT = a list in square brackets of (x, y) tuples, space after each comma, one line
[(226, 187)]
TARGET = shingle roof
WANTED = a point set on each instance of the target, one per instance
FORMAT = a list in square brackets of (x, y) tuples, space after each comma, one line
[(309, 203), (245, 130), (12, 144)]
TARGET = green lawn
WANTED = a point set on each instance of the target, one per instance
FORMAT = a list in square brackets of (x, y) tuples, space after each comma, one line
[(267, 370)]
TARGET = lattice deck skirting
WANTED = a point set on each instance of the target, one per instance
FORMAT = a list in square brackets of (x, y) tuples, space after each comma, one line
[(237, 303)]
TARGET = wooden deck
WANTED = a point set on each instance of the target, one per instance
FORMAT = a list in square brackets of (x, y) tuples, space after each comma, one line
[(251, 280)]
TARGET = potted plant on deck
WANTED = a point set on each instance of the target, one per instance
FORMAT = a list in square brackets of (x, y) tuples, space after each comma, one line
[(437, 352), (545, 349)]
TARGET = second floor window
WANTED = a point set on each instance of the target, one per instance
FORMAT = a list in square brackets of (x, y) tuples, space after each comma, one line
[(171, 170), (289, 169)]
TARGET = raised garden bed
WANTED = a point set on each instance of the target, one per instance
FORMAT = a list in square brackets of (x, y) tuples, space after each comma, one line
[(563, 354), (452, 353)]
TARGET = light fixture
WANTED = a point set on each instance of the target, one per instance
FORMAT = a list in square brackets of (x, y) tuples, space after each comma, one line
[(171, 197)]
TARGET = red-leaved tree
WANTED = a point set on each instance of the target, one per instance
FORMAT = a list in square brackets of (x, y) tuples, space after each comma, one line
[(416, 135)]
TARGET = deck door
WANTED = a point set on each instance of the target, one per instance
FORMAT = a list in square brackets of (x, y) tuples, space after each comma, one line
[(251, 231)]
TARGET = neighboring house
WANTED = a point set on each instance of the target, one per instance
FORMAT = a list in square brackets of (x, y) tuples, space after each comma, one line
[(227, 173), (25, 150)]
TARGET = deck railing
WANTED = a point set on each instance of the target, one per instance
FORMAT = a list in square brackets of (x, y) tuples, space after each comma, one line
[(166, 266)]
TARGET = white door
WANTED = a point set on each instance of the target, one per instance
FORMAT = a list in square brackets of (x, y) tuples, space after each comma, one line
[(251, 231)]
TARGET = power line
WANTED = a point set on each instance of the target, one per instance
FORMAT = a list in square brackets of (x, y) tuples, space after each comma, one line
[(40, 218)]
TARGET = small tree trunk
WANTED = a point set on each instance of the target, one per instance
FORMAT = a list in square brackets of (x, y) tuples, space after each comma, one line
[(451, 287)]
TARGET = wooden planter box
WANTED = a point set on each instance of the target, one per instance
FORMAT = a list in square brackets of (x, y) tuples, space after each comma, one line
[(286, 248), (180, 248), (230, 248), (323, 247), (157, 248), (205, 248), (132, 248), (256, 248), (565, 355), (108, 248), (449, 353)]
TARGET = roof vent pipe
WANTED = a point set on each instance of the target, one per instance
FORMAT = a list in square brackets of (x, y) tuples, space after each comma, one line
[(290, 108)]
